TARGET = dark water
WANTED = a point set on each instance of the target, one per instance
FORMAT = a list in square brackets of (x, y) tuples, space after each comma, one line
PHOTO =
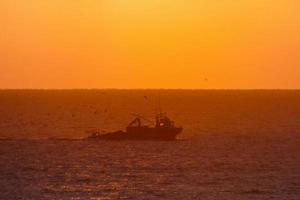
[(236, 145)]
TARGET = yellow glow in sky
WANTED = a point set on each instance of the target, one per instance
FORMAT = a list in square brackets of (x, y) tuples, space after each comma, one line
[(150, 44)]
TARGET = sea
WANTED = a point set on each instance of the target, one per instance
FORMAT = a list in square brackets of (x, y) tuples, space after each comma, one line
[(235, 144)]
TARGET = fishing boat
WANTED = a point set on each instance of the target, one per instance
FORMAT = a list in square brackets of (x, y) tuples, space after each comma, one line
[(164, 129)]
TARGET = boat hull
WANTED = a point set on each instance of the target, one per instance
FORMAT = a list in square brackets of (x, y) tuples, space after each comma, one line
[(154, 134)]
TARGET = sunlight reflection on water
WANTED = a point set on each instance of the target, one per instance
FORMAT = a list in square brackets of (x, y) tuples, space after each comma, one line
[(210, 168)]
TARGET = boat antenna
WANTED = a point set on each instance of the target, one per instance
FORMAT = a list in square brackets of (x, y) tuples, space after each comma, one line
[(159, 106), (159, 110), (155, 101)]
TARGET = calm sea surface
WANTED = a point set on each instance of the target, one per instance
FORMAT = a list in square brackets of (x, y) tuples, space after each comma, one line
[(235, 145)]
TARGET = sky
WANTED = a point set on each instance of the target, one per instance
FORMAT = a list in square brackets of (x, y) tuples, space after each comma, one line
[(186, 44)]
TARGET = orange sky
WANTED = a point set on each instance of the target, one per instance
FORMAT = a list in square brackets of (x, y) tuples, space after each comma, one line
[(150, 44)]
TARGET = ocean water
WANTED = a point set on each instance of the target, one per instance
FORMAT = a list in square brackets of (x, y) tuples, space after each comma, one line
[(235, 145)]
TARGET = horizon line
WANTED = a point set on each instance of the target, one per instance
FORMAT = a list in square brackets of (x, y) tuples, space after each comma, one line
[(149, 89)]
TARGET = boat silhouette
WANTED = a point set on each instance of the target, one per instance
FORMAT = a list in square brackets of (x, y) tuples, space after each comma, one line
[(164, 129)]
